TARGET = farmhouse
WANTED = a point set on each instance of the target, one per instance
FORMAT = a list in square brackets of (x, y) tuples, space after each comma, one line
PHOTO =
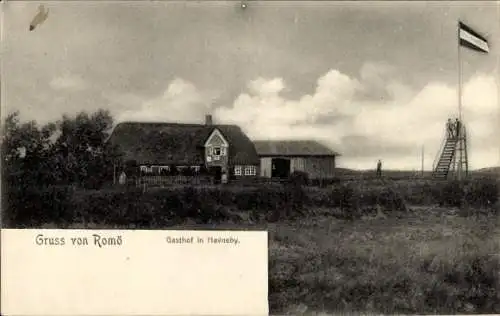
[(161, 149), (280, 158)]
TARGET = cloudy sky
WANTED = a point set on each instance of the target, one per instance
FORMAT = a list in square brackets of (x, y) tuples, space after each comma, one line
[(372, 80)]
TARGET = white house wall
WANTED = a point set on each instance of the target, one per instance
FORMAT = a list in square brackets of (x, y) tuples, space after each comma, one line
[(296, 164), (318, 168), (265, 167)]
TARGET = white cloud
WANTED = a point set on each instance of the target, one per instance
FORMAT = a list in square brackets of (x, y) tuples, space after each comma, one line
[(407, 120), (67, 82), (180, 102), (265, 112), (267, 87)]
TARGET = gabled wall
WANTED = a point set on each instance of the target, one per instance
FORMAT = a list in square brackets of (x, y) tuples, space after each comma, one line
[(216, 141)]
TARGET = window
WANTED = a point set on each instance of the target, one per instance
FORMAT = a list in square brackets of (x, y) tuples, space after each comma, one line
[(250, 171), (237, 171), (164, 170), (181, 168), (217, 151), (155, 169), (146, 169)]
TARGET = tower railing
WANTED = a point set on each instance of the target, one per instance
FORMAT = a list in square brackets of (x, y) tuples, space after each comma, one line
[(441, 148)]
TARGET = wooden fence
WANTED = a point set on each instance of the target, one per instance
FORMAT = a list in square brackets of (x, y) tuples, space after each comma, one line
[(173, 180), (163, 181)]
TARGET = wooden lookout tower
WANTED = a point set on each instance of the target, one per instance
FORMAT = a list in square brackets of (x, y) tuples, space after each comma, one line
[(452, 160)]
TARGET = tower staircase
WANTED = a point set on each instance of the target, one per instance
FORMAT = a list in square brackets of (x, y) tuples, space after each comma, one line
[(452, 160)]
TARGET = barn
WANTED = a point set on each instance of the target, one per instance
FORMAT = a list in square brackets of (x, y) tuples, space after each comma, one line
[(162, 149), (279, 158)]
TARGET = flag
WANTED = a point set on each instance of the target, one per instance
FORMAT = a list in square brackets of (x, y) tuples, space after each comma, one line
[(471, 39)]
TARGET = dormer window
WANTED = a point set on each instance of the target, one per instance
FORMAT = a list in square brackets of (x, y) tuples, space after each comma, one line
[(218, 151)]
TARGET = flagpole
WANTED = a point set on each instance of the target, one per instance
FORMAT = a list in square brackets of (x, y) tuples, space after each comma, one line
[(459, 59), (422, 160)]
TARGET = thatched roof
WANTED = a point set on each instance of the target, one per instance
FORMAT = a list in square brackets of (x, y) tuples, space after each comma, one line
[(175, 143), (293, 148)]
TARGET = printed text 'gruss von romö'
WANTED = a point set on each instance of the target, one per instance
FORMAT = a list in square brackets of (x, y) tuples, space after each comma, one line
[(94, 240)]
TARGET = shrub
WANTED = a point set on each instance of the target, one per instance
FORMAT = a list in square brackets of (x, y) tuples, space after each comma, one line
[(422, 194), (247, 200), (295, 196), (223, 197), (482, 192), (299, 178), (348, 200), (150, 209), (262, 198), (110, 208), (353, 200), (192, 202), (340, 196), (187, 171), (390, 200), (131, 167), (33, 206), (318, 198), (451, 194), (270, 198)]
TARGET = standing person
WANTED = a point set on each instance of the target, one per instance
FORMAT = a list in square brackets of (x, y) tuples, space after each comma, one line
[(123, 178), (379, 168), (224, 176), (450, 128), (457, 127)]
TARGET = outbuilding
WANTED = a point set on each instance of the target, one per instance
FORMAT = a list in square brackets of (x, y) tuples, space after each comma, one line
[(279, 158)]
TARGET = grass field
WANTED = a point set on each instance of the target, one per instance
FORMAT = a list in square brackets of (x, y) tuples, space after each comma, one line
[(423, 263), (423, 259)]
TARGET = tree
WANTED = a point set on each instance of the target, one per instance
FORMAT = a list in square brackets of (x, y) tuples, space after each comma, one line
[(88, 159), (27, 167), (71, 151), (131, 168), (26, 152)]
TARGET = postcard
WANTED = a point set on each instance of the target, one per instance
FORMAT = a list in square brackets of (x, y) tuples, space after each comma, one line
[(250, 157)]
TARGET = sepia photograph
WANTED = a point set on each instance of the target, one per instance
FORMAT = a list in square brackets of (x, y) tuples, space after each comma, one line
[(361, 136)]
